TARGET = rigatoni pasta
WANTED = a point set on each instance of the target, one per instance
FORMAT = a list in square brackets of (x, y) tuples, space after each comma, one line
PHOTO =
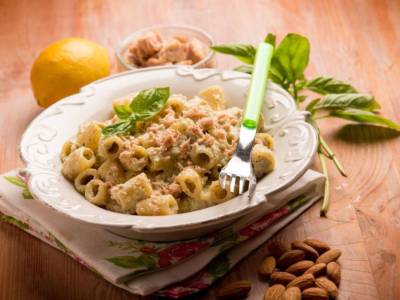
[(166, 164)]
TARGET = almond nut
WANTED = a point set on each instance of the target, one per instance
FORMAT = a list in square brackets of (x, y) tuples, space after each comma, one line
[(310, 252), (267, 266), (292, 293), (318, 245), (328, 256), (290, 257), (327, 285), (302, 282), (333, 272), (300, 267), (316, 270), (315, 294), (282, 277), (275, 292), (234, 290), (277, 248)]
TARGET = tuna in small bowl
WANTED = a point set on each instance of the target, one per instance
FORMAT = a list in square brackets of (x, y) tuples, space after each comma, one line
[(165, 45)]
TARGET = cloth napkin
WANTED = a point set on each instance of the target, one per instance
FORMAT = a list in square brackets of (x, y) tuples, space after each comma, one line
[(170, 269)]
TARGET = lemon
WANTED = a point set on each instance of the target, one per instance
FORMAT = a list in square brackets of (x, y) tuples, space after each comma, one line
[(65, 66)]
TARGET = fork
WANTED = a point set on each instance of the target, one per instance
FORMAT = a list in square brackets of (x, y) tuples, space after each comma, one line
[(239, 167)]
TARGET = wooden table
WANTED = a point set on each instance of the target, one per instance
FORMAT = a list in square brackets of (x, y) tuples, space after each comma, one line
[(355, 40)]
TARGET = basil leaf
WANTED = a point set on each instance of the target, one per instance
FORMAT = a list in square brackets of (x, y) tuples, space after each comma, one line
[(329, 85), (122, 127), (149, 102), (291, 57), (311, 104), (344, 101), (243, 52), (367, 117), (270, 39), (122, 111), (245, 69)]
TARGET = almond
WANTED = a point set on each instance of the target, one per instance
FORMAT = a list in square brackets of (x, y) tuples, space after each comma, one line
[(275, 292), (315, 294), (300, 267), (327, 285), (328, 256), (310, 252), (282, 277), (302, 282), (277, 248), (333, 272), (290, 257), (316, 270), (292, 293), (318, 245), (267, 266), (234, 290)]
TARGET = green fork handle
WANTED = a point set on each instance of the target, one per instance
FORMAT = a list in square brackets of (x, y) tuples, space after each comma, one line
[(256, 95)]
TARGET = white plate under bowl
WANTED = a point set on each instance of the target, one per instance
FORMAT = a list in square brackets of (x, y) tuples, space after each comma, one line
[(295, 145)]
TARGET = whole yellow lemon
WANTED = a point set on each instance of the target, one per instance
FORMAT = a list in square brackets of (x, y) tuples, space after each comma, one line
[(65, 66)]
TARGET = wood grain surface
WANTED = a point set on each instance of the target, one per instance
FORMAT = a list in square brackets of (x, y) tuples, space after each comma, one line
[(356, 40)]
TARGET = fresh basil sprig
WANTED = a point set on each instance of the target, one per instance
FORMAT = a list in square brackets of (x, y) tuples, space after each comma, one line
[(346, 101), (144, 106), (244, 53), (336, 98), (328, 85)]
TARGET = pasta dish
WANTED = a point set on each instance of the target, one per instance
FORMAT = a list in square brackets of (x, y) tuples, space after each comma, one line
[(160, 154)]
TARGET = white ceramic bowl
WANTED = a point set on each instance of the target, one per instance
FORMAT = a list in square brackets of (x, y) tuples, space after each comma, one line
[(166, 30), (295, 145)]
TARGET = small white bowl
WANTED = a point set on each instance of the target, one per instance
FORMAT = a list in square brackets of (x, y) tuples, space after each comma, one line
[(166, 30), (295, 145)]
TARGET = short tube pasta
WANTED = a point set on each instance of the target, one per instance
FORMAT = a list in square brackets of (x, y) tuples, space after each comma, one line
[(89, 135), (263, 160), (67, 148), (111, 171), (190, 182), (127, 194), (265, 139), (135, 158), (203, 156), (79, 160), (157, 206), (214, 95), (96, 192), (83, 179), (111, 147)]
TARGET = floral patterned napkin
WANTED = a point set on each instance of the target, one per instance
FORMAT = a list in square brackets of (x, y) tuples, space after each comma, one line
[(170, 269)]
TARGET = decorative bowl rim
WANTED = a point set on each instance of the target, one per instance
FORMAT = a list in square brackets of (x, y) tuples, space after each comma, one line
[(197, 218)]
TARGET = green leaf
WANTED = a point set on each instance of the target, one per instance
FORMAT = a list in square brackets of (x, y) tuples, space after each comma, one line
[(132, 262), (366, 117), (301, 98), (328, 85), (291, 57), (122, 111), (218, 266), (270, 39), (16, 222), (245, 53), (344, 101), (16, 181), (149, 102), (245, 69), (26, 194), (123, 127), (311, 104)]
